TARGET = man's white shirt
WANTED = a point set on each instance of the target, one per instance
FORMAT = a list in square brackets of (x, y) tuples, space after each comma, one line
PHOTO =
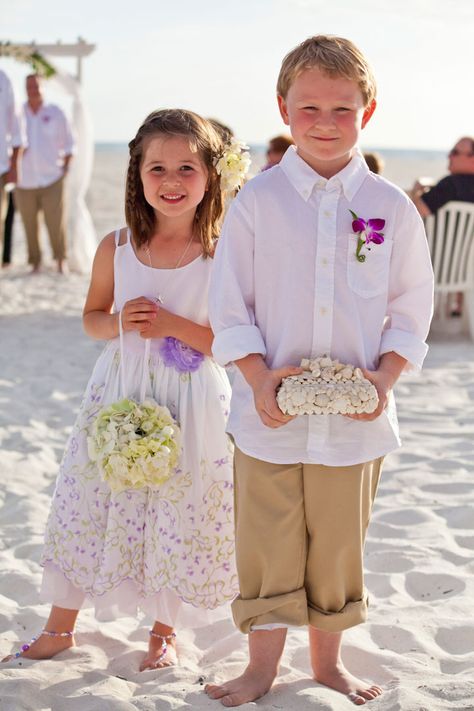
[(49, 140), (286, 284)]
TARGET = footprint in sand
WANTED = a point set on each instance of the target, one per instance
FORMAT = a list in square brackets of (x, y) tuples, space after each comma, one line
[(456, 639), (448, 488), (426, 586), (394, 638), (458, 516)]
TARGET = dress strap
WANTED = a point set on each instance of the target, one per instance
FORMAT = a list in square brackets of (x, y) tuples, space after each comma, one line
[(117, 237)]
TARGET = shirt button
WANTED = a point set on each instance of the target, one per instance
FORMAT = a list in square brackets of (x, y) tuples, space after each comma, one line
[(324, 262), (327, 213), (323, 311)]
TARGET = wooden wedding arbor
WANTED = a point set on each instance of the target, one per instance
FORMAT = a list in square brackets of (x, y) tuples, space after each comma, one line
[(28, 52)]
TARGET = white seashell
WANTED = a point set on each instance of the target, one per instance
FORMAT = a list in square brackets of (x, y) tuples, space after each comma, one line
[(346, 373)]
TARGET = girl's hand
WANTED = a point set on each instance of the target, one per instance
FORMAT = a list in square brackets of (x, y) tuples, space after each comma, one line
[(160, 326), (264, 386), (138, 314)]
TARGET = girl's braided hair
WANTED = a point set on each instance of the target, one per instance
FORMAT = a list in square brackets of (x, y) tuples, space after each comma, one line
[(203, 138)]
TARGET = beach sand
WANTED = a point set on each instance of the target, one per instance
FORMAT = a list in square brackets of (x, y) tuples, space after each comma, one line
[(419, 640)]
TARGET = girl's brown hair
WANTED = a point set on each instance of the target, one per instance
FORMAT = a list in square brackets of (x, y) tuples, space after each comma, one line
[(203, 138)]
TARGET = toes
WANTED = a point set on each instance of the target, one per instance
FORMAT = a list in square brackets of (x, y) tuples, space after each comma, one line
[(356, 698), (215, 692), (230, 700)]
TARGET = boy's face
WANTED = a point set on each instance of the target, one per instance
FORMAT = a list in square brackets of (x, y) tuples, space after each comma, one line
[(325, 115)]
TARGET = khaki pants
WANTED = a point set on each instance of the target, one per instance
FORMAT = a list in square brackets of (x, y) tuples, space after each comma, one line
[(51, 201), (300, 532)]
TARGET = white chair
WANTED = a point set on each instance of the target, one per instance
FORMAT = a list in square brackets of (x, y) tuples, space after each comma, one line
[(450, 233)]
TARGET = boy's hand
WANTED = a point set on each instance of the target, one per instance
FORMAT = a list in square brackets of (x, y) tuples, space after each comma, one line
[(264, 385), (384, 378), (383, 384)]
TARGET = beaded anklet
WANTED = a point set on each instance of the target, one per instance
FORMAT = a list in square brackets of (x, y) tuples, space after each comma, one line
[(164, 644), (47, 633)]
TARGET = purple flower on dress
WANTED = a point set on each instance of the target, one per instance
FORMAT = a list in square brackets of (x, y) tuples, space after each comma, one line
[(180, 356), (368, 231)]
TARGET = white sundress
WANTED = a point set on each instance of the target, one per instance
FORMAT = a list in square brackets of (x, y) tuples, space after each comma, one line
[(168, 551)]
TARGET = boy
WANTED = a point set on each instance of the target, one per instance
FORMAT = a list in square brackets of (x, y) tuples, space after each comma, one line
[(288, 283)]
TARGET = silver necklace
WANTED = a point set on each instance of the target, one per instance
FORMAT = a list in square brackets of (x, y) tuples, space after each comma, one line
[(160, 296)]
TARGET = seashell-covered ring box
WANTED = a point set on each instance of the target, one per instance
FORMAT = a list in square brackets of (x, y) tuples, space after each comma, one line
[(326, 387)]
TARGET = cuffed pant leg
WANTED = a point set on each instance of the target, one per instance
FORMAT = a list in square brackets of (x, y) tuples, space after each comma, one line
[(28, 203), (52, 202), (338, 503), (271, 543)]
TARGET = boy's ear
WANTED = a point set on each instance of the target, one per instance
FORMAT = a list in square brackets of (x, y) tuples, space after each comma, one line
[(367, 115), (283, 109)]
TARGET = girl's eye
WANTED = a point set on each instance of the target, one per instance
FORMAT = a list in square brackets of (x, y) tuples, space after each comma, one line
[(187, 167), (157, 169)]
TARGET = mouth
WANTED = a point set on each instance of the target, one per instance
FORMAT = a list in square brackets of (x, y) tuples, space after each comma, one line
[(172, 198), (324, 139)]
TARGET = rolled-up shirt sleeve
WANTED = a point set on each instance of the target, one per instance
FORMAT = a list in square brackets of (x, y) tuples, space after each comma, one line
[(231, 293), (410, 295)]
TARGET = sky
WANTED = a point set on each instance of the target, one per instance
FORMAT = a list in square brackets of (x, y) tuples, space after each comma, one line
[(222, 59)]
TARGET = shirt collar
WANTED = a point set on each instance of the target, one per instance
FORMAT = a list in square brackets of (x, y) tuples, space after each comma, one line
[(304, 179)]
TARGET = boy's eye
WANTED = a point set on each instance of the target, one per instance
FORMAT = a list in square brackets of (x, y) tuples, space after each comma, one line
[(342, 109), (309, 108)]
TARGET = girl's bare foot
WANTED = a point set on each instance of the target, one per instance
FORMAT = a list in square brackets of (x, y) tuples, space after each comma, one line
[(249, 687), (44, 646), (161, 651)]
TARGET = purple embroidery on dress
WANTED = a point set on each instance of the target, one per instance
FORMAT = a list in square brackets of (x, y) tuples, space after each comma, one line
[(180, 356)]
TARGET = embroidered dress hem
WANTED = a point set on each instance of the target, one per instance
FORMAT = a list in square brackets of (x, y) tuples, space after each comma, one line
[(125, 601)]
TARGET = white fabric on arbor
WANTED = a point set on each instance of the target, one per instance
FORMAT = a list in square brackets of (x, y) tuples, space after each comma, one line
[(82, 239)]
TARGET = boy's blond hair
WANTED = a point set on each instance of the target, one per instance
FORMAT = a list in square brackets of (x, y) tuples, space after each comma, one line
[(335, 56)]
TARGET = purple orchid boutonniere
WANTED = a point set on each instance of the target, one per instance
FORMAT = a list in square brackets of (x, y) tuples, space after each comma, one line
[(180, 356), (368, 231)]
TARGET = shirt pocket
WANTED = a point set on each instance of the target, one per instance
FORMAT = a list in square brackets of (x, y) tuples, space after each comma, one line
[(368, 278)]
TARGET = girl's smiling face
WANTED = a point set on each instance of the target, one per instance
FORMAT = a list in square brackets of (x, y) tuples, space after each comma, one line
[(325, 115), (173, 176)]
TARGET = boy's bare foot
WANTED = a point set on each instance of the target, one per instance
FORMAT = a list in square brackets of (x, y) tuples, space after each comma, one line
[(328, 669), (265, 649), (44, 647), (340, 679), (161, 652), (248, 687)]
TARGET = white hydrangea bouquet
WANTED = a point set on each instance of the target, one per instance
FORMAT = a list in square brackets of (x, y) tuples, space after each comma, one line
[(135, 445)]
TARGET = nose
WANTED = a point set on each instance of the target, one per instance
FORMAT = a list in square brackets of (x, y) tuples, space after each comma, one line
[(324, 119), (172, 177)]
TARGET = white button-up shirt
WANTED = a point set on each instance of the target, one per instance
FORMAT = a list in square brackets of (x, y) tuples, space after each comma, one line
[(49, 140), (11, 135), (286, 284)]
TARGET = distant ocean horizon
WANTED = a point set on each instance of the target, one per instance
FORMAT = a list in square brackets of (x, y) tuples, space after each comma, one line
[(105, 197)]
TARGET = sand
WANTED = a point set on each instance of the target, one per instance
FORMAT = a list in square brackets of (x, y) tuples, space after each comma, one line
[(419, 640)]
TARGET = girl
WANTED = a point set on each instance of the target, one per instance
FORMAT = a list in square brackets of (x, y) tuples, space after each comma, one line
[(169, 551)]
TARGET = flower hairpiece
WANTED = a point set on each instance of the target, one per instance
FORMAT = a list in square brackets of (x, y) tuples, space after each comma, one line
[(368, 231), (232, 165)]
